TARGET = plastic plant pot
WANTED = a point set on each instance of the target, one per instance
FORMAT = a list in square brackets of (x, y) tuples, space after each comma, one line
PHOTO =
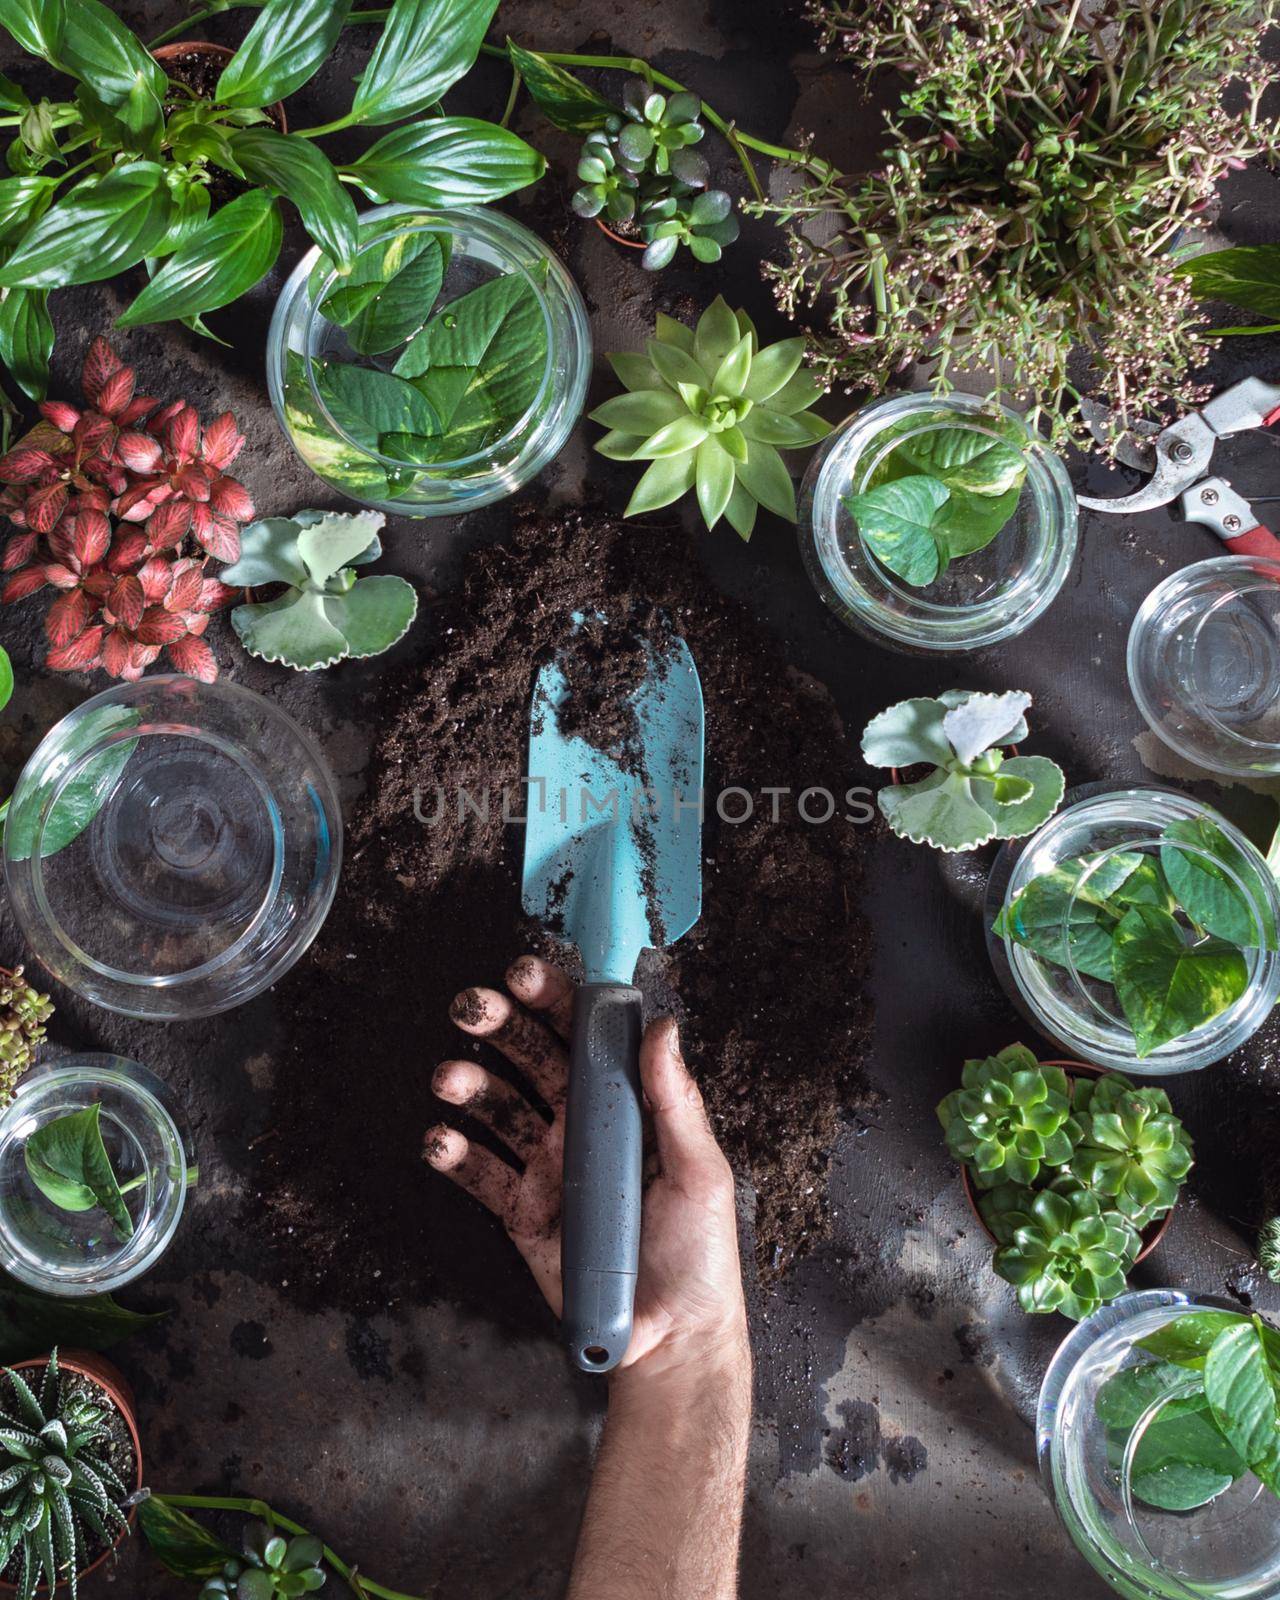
[(983, 598), (172, 847), (1204, 663), (483, 245), (1227, 1547), (108, 1377), (1081, 1014), (1151, 1234), (60, 1251)]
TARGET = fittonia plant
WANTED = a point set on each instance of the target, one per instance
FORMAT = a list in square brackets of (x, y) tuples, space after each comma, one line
[(326, 611), (975, 792), (943, 492), (1166, 929)]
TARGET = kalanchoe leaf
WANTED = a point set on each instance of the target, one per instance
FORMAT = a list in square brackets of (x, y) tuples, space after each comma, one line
[(1039, 785), (980, 721)]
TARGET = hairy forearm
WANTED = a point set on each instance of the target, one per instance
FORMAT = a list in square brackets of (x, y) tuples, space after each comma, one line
[(664, 1515)]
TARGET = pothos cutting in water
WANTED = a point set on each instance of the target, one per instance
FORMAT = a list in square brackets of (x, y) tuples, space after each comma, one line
[(944, 491)]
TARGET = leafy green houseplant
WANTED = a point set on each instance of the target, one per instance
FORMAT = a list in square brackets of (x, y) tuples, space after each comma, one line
[(1039, 164), (1166, 931), (1067, 1171), (326, 611), (269, 1567), (1246, 276), (975, 792), (1204, 1405), (68, 1163), (708, 410), (121, 171), (63, 1478)]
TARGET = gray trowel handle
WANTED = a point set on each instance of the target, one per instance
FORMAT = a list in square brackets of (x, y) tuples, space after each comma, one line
[(600, 1243)]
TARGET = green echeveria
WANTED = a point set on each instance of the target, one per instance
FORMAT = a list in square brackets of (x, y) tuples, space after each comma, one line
[(1065, 1252), (1133, 1152), (1010, 1117), (709, 410)]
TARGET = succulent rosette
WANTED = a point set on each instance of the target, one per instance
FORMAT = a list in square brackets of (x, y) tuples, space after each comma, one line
[(1133, 1151), (1010, 1117), (1065, 1252)]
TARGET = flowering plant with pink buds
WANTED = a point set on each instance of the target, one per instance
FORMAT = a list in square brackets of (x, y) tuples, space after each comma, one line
[(119, 505), (1043, 161)]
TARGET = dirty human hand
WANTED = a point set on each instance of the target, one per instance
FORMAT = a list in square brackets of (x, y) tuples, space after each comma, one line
[(689, 1302)]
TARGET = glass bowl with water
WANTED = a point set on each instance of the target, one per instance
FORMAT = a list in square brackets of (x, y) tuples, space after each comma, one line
[(172, 847), (1136, 1469), (56, 1233), (442, 373), (982, 597)]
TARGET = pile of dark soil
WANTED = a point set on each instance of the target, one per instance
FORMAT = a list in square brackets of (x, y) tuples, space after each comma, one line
[(769, 983)]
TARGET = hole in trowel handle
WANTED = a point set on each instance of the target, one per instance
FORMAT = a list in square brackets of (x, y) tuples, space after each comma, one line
[(595, 1355)]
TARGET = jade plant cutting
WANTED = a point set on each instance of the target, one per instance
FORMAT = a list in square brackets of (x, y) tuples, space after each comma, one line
[(1201, 1412), (975, 792), (61, 1498), (124, 168), (1068, 1172), (327, 611), (944, 492), (119, 504), (1168, 931), (708, 409)]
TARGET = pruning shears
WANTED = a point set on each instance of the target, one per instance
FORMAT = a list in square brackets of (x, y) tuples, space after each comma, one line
[(1178, 459)]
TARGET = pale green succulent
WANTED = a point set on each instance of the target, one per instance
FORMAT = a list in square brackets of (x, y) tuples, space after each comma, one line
[(709, 410), (1065, 1251), (326, 612), (975, 792), (273, 1568)]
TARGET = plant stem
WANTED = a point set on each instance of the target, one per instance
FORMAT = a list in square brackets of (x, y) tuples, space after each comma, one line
[(260, 1508)]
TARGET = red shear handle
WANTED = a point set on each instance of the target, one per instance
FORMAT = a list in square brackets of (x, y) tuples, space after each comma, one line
[(1257, 541), (1271, 417)]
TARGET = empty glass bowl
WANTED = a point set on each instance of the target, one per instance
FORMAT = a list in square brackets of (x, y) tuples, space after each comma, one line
[(984, 597), (172, 847), (1204, 663), (483, 245), (1081, 1013), (1229, 1546), (64, 1243)]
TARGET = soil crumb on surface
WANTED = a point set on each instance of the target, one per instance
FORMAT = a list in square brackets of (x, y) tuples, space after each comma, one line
[(768, 985)]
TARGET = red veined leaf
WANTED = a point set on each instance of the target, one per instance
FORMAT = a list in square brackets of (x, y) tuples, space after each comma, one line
[(45, 506), (136, 410), (196, 621), (100, 363), (98, 584), (60, 414), (182, 432), (194, 480), (231, 499), (194, 657), (116, 393), (127, 600), (19, 550), (68, 617), (59, 576), (93, 434), (188, 580), (169, 524), (157, 423), (139, 451), (95, 498), (92, 537), (222, 441), (140, 658), (220, 538), (128, 549), (117, 650), (214, 595), (137, 503), (159, 626), (24, 464), (21, 584), (156, 578), (81, 654)]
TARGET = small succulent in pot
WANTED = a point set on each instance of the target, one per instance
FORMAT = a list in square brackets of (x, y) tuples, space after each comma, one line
[(1010, 1116), (708, 409), (273, 1568), (703, 224), (975, 792), (608, 188), (326, 611), (1065, 1252), (1133, 1150), (58, 1488), (656, 129)]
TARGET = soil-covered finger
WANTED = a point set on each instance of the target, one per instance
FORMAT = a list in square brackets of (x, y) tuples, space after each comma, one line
[(526, 1041), (473, 1168), (492, 1101), (544, 988)]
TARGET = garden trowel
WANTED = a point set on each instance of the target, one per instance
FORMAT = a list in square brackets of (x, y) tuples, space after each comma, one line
[(613, 863)]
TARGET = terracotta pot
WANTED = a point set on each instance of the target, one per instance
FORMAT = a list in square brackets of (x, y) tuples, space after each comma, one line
[(618, 238), (202, 47), (89, 1364), (1151, 1235)]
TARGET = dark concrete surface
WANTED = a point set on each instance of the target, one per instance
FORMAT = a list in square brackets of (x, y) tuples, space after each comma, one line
[(892, 1451)]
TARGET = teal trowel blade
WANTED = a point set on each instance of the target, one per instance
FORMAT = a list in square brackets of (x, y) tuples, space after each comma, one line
[(613, 842)]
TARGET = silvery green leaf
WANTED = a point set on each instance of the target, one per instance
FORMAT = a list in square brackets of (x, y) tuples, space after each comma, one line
[(906, 734), (939, 810), (957, 697), (374, 614), (294, 629), (984, 720), (268, 554), (339, 537), (308, 519), (1017, 819)]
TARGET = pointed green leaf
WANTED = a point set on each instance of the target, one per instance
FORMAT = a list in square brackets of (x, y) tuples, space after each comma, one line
[(425, 47), (286, 46), (97, 230), (1167, 987), (222, 260), (896, 521), (298, 170), (713, 480), (447, 161), (565, 100), (68, 1162), (662, 483)]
